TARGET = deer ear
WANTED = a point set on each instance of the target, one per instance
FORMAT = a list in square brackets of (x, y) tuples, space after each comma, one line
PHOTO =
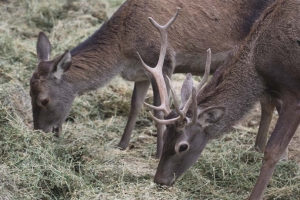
[(62, 65), (186, 89), (43, 47), (210, 115)]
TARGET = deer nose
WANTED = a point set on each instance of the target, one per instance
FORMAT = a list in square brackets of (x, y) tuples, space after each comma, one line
[(163, 181), (44, 129)]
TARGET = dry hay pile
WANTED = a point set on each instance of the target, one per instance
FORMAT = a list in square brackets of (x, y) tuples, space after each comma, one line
[(84, 163)]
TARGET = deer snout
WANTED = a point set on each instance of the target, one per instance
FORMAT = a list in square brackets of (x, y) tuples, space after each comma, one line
[(56, 130), (45, 129), (164, 181)]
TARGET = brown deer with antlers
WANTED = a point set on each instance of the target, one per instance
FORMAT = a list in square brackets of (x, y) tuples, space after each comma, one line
[(267, 63), (221, 25)]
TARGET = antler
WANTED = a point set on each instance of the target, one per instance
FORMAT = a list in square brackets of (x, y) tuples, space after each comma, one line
[(202, 82), (158, 76), (192, 100), (157, 71)]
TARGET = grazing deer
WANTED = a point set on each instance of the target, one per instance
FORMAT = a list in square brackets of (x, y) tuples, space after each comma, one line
[(267, 63), (221, 25)]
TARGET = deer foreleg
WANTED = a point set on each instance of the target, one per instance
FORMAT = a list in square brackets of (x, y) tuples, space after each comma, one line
[(267, 108), (278, 103), (286, 126), (137, 99)]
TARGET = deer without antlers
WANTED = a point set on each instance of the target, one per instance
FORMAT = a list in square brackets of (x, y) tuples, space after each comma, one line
[(267, 63), (221, 25)]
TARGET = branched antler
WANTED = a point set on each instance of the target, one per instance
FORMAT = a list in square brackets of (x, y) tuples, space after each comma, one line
[(158, 76), (157, 71)]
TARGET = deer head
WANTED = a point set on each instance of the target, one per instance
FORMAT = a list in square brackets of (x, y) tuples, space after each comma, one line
[(51, 95), (185, 136), (184, 142)]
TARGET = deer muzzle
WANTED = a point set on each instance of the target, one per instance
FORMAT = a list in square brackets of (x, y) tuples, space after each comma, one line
[(169, 181)]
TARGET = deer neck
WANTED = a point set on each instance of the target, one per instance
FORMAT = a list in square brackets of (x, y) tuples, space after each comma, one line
[(236, 86), (95, 61)]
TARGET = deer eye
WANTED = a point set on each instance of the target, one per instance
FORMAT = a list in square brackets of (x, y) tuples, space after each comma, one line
[(44, 102), (183, 148)]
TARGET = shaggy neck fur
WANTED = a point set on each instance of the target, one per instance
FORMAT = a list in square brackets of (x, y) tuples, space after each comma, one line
[(239, 85), (236, 86)]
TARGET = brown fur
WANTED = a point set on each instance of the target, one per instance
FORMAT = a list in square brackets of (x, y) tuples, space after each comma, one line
[(267, 63), (201, 25), (220, 25)]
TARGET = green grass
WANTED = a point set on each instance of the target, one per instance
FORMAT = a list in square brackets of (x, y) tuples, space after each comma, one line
[(85, 163)]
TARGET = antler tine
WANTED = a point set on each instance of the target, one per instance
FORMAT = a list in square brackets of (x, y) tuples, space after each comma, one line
[(202, 82), (165, 27), (157, 71), (162, 93), (164, 36), (207, 71), (164, 121), (149, 69), (175, 98), (158, 76)]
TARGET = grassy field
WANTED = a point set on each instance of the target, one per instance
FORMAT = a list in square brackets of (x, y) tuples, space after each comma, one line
[(85, 163)]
